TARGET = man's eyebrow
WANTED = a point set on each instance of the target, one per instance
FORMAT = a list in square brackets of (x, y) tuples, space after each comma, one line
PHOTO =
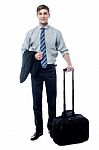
[(39, 12), (43, 13)]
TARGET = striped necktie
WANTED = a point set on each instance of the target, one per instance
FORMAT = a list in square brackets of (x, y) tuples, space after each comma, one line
[(43, 48)]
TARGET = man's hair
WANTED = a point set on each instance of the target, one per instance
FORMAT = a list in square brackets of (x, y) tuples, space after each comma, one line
[(42, 7)]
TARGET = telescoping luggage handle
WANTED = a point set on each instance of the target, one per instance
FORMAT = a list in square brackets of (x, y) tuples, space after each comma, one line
[(64, 97)]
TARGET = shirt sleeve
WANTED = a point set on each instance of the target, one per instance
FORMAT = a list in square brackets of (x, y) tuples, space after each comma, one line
[(61, 44), (26, 43)]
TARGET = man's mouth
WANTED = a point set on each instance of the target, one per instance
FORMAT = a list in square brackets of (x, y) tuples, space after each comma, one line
[(42, 19)]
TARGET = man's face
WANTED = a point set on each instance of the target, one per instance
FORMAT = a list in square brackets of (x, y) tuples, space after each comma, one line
[(43, 16)]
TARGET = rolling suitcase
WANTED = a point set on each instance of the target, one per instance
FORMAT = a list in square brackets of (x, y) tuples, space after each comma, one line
[(69, 128)]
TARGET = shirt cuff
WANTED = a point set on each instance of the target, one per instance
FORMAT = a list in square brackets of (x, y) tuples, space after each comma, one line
[(65, 52)]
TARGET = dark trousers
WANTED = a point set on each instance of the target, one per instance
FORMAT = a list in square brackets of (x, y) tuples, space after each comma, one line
[(47, 75)]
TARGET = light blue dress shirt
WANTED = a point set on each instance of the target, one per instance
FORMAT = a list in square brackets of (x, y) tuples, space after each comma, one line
[(53, 39)]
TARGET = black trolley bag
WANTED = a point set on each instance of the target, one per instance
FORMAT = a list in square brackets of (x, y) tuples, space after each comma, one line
[(69, 128)]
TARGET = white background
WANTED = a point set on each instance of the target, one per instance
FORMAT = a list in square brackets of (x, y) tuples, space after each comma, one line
[(78, 20)]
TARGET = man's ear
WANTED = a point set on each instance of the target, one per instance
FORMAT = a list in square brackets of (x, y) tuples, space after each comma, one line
[(49, 15)]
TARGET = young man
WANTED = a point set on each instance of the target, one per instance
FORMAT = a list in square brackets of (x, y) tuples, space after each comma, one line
[(46, 41)]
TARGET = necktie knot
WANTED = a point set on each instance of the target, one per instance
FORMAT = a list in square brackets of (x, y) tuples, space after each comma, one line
[(42, 29)]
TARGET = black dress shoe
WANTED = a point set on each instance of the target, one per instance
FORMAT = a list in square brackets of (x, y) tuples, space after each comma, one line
[(36, 136)]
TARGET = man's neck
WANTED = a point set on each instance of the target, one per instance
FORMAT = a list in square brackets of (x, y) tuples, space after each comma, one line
[(43, 25)]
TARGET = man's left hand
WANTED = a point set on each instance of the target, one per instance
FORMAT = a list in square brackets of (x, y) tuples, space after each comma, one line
[(70, 68)]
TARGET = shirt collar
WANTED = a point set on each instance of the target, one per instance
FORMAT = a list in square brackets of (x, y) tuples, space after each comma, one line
[(46, 27)]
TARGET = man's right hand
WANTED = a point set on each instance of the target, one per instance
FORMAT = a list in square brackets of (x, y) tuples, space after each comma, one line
[(38, 55)]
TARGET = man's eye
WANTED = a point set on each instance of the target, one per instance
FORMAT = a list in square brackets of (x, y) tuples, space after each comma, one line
[(45, 13)]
